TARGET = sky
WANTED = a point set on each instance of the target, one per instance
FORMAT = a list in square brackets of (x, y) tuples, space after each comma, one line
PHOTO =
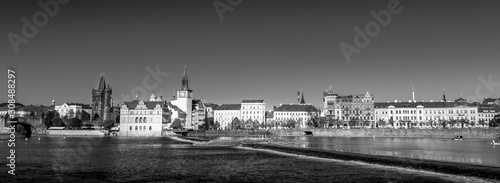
[(261, 50)]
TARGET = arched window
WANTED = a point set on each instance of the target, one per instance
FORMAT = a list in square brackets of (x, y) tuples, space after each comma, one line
[(140, 119), (130, 128), (136, 119), (145, 119), (144, 128), (140, 127), (135, 127), (150, 128)]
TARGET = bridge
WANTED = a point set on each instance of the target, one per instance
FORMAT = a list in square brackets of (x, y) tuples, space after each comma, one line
[(26, 126)]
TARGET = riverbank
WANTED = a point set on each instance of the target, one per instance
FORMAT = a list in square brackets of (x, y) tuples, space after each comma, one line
[(95, 133), (429, 133), (418, 164)]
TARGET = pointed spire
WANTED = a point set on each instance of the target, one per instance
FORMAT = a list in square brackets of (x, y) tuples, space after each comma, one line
[(302, 101), (444, 96), (185, 81)]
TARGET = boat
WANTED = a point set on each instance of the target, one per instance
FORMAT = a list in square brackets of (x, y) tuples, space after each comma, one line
[(457, 138), (495, 143)]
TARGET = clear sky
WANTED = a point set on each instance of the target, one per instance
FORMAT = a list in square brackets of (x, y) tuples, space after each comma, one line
[(262, 50)]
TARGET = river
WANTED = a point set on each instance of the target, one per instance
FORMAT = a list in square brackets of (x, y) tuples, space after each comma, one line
[(132, 159)]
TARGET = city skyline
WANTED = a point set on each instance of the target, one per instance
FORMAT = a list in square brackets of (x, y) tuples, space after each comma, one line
[(261, 50)]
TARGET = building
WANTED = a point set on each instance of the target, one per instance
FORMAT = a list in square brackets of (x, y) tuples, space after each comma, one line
[(101, 101), (486, 113), (424, 114), (71, 110), (298, 112), (226, 113), (143, 118), (183, 99), (348, 107), (253, 110)]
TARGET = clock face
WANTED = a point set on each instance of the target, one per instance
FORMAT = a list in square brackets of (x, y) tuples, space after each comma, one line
[(182, 94)]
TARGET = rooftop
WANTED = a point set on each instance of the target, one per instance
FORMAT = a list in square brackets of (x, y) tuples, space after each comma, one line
[(253, 101), (297, 107), (229, 107)]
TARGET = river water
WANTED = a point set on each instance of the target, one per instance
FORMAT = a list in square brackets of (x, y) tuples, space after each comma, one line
[(132, 159), (470, 151)]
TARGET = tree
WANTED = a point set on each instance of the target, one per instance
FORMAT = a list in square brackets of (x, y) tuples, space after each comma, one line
[(291, 123), (210, 123), (381, 123), (236, 124), (78, 114), (217, 125), (71, 113), (108, 124), (322, 122), (49, 116), (495, 122), (255, 124), (85, 116), (482, 122), (58, 122), (248, 124), (176, 124), (75, 123)]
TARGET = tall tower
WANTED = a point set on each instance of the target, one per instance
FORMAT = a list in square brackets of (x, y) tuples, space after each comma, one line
[(185, 99), (101, 101)]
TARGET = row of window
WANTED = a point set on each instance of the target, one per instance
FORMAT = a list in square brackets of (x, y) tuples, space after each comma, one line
[(253, 107), (291, 113), (141, 128), (143, 112), (253, 112)]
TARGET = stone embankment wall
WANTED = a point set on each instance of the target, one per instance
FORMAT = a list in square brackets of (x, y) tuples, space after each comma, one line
[(430, 133), (227, 133), (75, 132)]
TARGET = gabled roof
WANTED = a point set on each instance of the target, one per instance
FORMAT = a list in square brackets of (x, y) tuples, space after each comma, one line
[(297, 107), (253, 101), (149, 104), (212, 105), (172, 106), (229, 107)]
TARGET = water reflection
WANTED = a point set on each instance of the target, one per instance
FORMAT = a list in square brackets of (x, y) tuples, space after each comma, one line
[(471, 151)]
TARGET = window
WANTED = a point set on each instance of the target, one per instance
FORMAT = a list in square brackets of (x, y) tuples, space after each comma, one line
[(144, 120), (130, 128), (150, 128), (135, 127), (140, 127), (136, 120), (144, 128)]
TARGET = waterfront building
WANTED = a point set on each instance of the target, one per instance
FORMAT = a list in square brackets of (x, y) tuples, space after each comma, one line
[(345, 108), (298, 112), (226, 113), (66, 108), (425, 114), (101, 101), (253, 110), (486, 113), (143, 118)]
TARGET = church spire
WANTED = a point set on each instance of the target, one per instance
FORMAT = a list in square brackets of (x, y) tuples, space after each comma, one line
[(444, 96), (302, 101), (185, 80)]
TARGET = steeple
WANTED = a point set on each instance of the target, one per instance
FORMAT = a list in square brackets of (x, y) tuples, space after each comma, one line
[(302, 101), (102, 83), (444, 96), (185, 80)]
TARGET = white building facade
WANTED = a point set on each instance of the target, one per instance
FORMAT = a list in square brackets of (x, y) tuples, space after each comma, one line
[(253, 110), (226, 113), (143, 118)]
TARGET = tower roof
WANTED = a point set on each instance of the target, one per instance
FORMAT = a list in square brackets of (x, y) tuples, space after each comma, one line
[(102, 83), (185, 81), (302, 101)]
